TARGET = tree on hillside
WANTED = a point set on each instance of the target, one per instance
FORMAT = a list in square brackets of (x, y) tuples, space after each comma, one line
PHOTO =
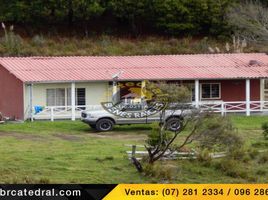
[(250, 20), (211, 132), (24, 11), (172, 17), (134, 12), (190, 16)]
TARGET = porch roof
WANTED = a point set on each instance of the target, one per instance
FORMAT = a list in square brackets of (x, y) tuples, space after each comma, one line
[(155, 67)]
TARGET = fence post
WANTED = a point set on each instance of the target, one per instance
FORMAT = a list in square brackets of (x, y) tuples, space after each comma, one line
[(197, 93), (52, 114), (73, 100), (222, 109), (133, 151), (261, 106), (248, 97)]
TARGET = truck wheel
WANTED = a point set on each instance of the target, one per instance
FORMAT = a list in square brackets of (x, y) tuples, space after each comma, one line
[(104, 125), (173, 124)]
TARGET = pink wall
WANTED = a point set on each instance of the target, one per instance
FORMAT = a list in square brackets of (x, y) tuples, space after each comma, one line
[(11, 95), (235, 90)]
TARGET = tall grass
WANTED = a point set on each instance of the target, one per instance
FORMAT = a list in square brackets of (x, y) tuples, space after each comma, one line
[(40, 45), (10, 43)]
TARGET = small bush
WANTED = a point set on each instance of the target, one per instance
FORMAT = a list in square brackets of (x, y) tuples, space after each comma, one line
[(246, 159), (217, 133), (160, 171), (232, 168), (204, 157), (253, 153), (261, 144), (263, 159), (38, 40), (265, 130), (261, 172), (237, 153)]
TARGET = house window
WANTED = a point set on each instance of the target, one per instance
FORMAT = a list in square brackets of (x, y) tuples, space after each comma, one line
[(80, 96), (62, 97), (210, 91), (56, 97)]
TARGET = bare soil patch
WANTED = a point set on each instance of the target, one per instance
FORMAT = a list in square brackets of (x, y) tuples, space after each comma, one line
[(21, 136), (68, 137), (116, 135)]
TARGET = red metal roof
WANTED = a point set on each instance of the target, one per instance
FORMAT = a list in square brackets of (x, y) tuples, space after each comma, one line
[(158, 67)]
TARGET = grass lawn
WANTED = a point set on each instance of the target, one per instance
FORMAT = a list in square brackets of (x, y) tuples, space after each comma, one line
[(70, 152)]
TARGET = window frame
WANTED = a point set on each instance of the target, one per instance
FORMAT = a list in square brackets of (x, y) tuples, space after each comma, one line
[(210, 98), (66, 98), (55, 96)]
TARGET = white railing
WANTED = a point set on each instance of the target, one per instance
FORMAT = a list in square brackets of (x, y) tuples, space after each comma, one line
[(62, 112), (234, 106), (65, 112)]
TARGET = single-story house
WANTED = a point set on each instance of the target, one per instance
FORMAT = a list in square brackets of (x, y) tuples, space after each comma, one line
[(60, 87)]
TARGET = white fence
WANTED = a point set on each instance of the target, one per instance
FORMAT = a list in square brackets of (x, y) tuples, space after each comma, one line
[(234, 106), (62, 112), (65, 112)]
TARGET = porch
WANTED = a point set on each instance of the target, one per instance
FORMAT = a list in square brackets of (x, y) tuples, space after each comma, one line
[(219, 96), (65, 112)]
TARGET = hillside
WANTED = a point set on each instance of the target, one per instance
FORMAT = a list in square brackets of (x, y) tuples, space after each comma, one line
[(14, 45)]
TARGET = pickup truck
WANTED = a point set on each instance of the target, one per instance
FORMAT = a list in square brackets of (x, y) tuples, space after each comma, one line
[(102, 120)]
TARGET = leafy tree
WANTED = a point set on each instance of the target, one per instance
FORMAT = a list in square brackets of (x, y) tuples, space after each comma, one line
[(174, 96), (134, 12), (173, 17), (191, 16), (82, 9), (250, 20), (54, 10), (207, 130)]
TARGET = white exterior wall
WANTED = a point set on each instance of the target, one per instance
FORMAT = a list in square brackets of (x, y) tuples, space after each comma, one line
[(96, 92)]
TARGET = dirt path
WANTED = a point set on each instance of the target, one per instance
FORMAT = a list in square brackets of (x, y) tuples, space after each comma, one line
[(78, 137), (116, 135), (22, 136)]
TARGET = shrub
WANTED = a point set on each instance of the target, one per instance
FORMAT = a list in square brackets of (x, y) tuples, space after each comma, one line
[(261, 144), (253, 153), (261, 172), (218, 133), (232, 168), (204, 157), (263, 159), (38, 40), (265, 130), (11, 42), (160, 171), (237, 153)]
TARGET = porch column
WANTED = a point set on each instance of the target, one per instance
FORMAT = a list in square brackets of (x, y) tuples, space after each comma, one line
[(197, 93), (143, 85), (31, 101), (73, 100), (262, 82), (114, 97), (248, 97)]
